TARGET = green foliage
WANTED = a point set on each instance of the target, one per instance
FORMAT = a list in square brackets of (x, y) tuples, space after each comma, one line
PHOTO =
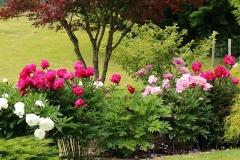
[(26, 148), (12, 125), (150, 44), (236, 5), (232, 125), (191, 112), (133, 120)]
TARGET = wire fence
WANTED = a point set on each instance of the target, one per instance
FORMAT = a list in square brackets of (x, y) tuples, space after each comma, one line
[(222, 49)]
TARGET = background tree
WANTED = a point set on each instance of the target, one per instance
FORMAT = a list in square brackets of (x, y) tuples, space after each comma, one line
[(215, 15), (2, 2), (100, 19)]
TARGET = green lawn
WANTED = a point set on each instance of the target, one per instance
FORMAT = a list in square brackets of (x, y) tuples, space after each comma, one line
[(21, 44), (232, 154)]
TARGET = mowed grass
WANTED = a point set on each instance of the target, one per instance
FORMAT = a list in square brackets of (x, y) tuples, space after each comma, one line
[(21, 44), (232, 154)]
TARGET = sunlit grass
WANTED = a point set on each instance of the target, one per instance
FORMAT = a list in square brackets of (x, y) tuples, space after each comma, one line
[(232, 154), (21, 44)]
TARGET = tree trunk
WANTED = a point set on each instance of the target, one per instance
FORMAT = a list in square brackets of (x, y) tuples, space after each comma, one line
[(73, 39), (95, 62)]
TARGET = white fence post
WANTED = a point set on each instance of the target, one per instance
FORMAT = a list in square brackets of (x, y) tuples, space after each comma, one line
[(229, 47)]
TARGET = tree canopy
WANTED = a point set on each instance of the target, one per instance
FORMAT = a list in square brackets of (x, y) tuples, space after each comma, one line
[(99, 18)]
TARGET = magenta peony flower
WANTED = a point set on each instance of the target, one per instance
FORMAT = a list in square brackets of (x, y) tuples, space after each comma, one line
[(44, 64), (221, 72), (79, 103), (77, 90), (61, 72), (235, 80), (208, 75), (196, 67), (80, 73), (179, 62), (50, 75), (58, 83), (116, 78), (78, 65), (89, 71), (229, 60)]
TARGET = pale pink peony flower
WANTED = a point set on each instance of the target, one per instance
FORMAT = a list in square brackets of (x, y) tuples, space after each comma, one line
[(152, 79)]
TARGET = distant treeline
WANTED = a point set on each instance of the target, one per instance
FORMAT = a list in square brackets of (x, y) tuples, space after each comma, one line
[(2, 2)]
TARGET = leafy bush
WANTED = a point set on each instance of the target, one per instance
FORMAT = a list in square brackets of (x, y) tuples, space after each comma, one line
[(150, 44), (26, 148), (133, 120)]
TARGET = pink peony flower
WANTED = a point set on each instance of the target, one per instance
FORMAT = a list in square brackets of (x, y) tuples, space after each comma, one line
[(44, 64), (156, 90), (168, 76), (116, 78), (183, 70), (196, 67), (141, 72), (235, 80), (152, 79), (77, 90), (229, 60), (179, 62), (149, 66), (58, 83), (79, 103)]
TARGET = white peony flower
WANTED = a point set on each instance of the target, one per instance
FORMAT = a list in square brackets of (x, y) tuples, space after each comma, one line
[(39, 134), (19, 109), (80, 83), (32, 119), (3, 103), (98, 84), (5, 95), (39, 103), (5, 80), (46, 124)]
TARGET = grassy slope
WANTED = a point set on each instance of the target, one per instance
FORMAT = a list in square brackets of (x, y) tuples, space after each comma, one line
[(21, 44)]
